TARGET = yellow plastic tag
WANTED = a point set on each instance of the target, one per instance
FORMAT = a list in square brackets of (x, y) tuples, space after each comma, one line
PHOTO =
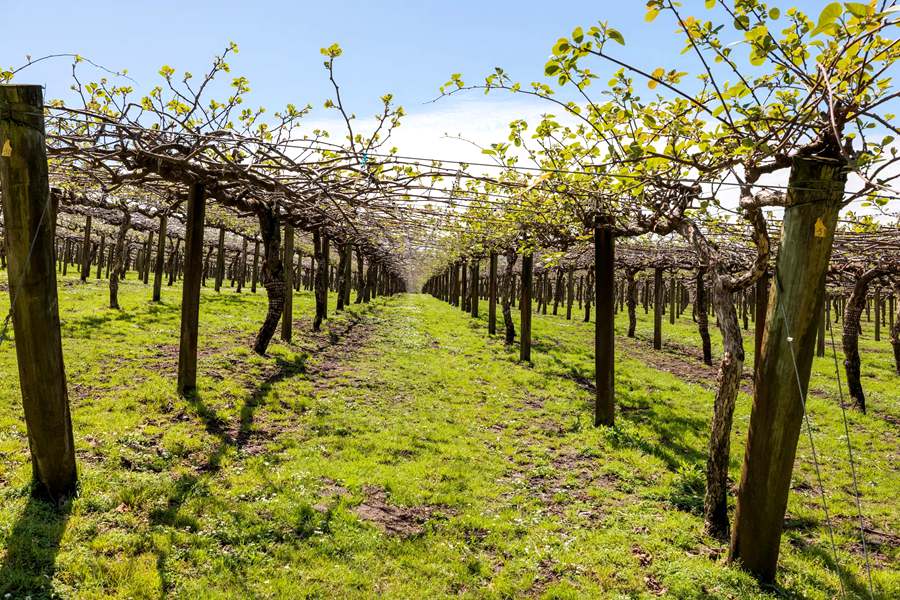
[(820, 228), (7, 149)]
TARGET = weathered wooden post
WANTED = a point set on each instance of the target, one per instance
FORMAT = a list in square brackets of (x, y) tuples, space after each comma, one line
[(525, 307), (100, 254), (761, 293), (320, 244), (492, 294), (255, 276), (348, 273), (287, 318), (28, 223), (820, 328), (464, 287), (877, 302), (220, 260), (473, 285), (86, 251), (159, 267), (242, 266), (815, 191), (657, 308), (147, 258), (673, 285), (190, 293), (604, 325)]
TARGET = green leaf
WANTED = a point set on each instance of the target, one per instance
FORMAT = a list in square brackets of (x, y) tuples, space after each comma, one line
[(651, 15), (551, 68), (774, 13), (857, 9), (710, 4), (577, 35), (615, 35), (827, 17)]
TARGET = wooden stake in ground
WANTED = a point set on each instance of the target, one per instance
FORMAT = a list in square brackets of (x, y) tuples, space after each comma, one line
[(86, 250), (492, 294), (525, 307), (657, 308), (190, 295), (815, 191), (220, 260), (28, 224), (473, 288), (604, 325)]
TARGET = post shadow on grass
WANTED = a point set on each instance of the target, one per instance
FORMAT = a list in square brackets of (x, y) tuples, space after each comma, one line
[(669, 429), (31, 549), (189, 485)]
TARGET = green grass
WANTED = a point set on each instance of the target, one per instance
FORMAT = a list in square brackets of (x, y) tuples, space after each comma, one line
[(406, 411)]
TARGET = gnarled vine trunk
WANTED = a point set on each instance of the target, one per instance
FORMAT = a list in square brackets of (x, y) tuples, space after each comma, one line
[(507, 292), (118, 266), (631, 300), (850, 338), (715, 504), (272, 277)]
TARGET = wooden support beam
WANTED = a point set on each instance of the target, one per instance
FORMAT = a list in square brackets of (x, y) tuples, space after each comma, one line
[(28, 221), (473, 292), (492, 294), (604, 325), (190, 293), (86, 250), (815, 192), (254, 277), (657, 308), (525, 307), (761, 293)]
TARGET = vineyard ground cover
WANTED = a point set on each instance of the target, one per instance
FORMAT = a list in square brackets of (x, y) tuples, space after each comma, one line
[(401, 452)]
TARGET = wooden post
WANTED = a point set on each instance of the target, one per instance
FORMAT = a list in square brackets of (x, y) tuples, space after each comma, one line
[(28, 220), (604, 325), (464, 287), (287, 318), (190, 293), (492, 294), (820, 337), (100, 254), (147, 258), (320, 244), (761, 292), (473, 285), (672, 292), (815, 191), (255, 275), (525, 307), (657, 308), (348, 272), (877, 302), (86, 250), (160, 258), (220, 260)]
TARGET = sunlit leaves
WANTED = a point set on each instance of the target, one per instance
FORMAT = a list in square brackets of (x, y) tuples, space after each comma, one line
[(827, 19)]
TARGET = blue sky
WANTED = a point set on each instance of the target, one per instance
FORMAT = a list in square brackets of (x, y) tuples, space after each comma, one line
[(405, 47)]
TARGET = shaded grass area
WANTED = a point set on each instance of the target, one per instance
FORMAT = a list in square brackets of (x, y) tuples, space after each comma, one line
[(401, 453)]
